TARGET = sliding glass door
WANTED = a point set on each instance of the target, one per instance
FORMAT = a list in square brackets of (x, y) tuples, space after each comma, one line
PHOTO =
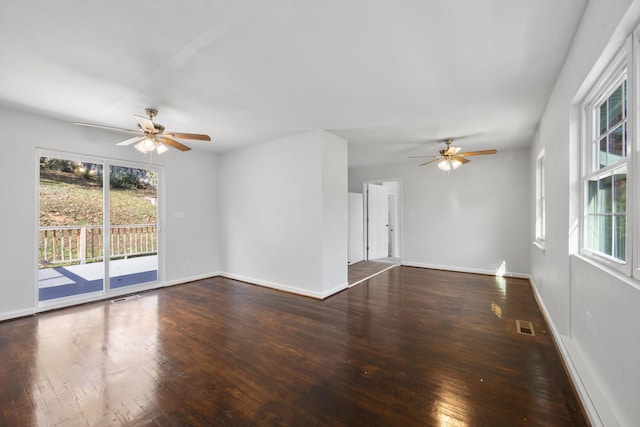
[(133, 215), (88, 209), (70, 260)]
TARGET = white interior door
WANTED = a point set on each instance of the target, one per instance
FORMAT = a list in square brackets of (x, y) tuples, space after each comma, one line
[(377, 221)]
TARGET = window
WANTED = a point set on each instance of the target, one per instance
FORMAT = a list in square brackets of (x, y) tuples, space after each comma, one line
[(540, 200), (607, 150)]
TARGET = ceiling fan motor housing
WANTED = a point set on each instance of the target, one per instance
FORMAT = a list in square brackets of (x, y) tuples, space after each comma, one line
[(151, 112)]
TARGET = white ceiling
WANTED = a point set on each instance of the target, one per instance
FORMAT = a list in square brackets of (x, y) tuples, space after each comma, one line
[(390, 76)]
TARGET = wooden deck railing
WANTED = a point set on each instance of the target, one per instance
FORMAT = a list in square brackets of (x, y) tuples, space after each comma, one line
[(82, 244)]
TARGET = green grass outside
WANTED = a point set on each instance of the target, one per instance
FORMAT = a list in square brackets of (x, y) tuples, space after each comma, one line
[(67, 198), (75, 199)]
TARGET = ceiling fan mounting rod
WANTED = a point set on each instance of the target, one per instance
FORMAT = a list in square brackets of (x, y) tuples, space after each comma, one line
[(151, 112)]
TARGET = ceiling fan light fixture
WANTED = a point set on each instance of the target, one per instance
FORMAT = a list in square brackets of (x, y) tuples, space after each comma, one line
[(141, 147), (149, 143), (444, 165), (449, 164), (161, 148)]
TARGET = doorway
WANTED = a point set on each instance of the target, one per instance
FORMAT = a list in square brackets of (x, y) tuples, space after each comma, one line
[(97, 227), (383, 205)]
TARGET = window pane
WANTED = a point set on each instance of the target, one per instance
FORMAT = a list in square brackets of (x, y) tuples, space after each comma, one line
[(602, 125), (620, 225), (605, 204), (615, 107), (592, 232), (71, 242), (620, 191), (625, 98), (605, 234), (133, 226), (592, 196), (602, 153), (616, 146), (542, 220)]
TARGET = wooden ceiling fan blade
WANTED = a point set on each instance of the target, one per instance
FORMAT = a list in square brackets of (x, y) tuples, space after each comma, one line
[(420, 157), (173, 143), (478, 153), (145, 124), (132, 140), (91, 125), (181, 135), (431, 161), (461, 159)]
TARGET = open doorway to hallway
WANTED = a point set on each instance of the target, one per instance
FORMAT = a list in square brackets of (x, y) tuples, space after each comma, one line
[(382, 219)]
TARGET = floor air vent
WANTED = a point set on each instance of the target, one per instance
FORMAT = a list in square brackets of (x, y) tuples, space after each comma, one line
[(127, 298), (525, 328)]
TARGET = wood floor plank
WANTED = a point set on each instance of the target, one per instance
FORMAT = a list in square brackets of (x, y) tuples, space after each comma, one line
[(408, 347)]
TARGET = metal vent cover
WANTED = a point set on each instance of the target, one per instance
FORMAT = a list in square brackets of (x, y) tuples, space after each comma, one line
[(127, 298), (525, 328)]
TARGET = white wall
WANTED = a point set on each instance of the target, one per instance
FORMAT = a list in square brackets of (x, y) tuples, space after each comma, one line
[(335, 213), (602, 358), (472, 219), (192, 242), (284, 214), (190, 188)]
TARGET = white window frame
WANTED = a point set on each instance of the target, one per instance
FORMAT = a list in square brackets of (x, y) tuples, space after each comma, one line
[(540, 201), (621, 67)]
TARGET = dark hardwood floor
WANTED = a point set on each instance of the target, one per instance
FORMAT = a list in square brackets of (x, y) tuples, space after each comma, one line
[(409, 347)]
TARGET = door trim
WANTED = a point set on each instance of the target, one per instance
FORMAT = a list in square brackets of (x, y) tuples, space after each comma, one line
[(399, 219)]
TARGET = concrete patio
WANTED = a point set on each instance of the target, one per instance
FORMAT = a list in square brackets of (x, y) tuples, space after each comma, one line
[(58, 282)]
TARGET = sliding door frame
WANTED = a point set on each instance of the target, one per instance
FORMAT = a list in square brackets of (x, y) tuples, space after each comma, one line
[(107, 292)]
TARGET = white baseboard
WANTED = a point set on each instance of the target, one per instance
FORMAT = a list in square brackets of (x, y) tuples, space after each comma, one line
[(286, 288), (373, 275), (335, 290), (83, 299), (464, 269), (595, 405), (18, 313), (191, 278)]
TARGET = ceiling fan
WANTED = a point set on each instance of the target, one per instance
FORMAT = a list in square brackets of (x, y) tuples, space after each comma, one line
[(451, 157), (151, 136)]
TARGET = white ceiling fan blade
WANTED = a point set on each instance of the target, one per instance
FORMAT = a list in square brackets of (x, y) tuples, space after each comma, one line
[(145, 124), (131, 140), (91, 125)]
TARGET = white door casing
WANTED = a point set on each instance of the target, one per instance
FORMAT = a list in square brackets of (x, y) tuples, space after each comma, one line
[(356, 228), (393, 252)]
